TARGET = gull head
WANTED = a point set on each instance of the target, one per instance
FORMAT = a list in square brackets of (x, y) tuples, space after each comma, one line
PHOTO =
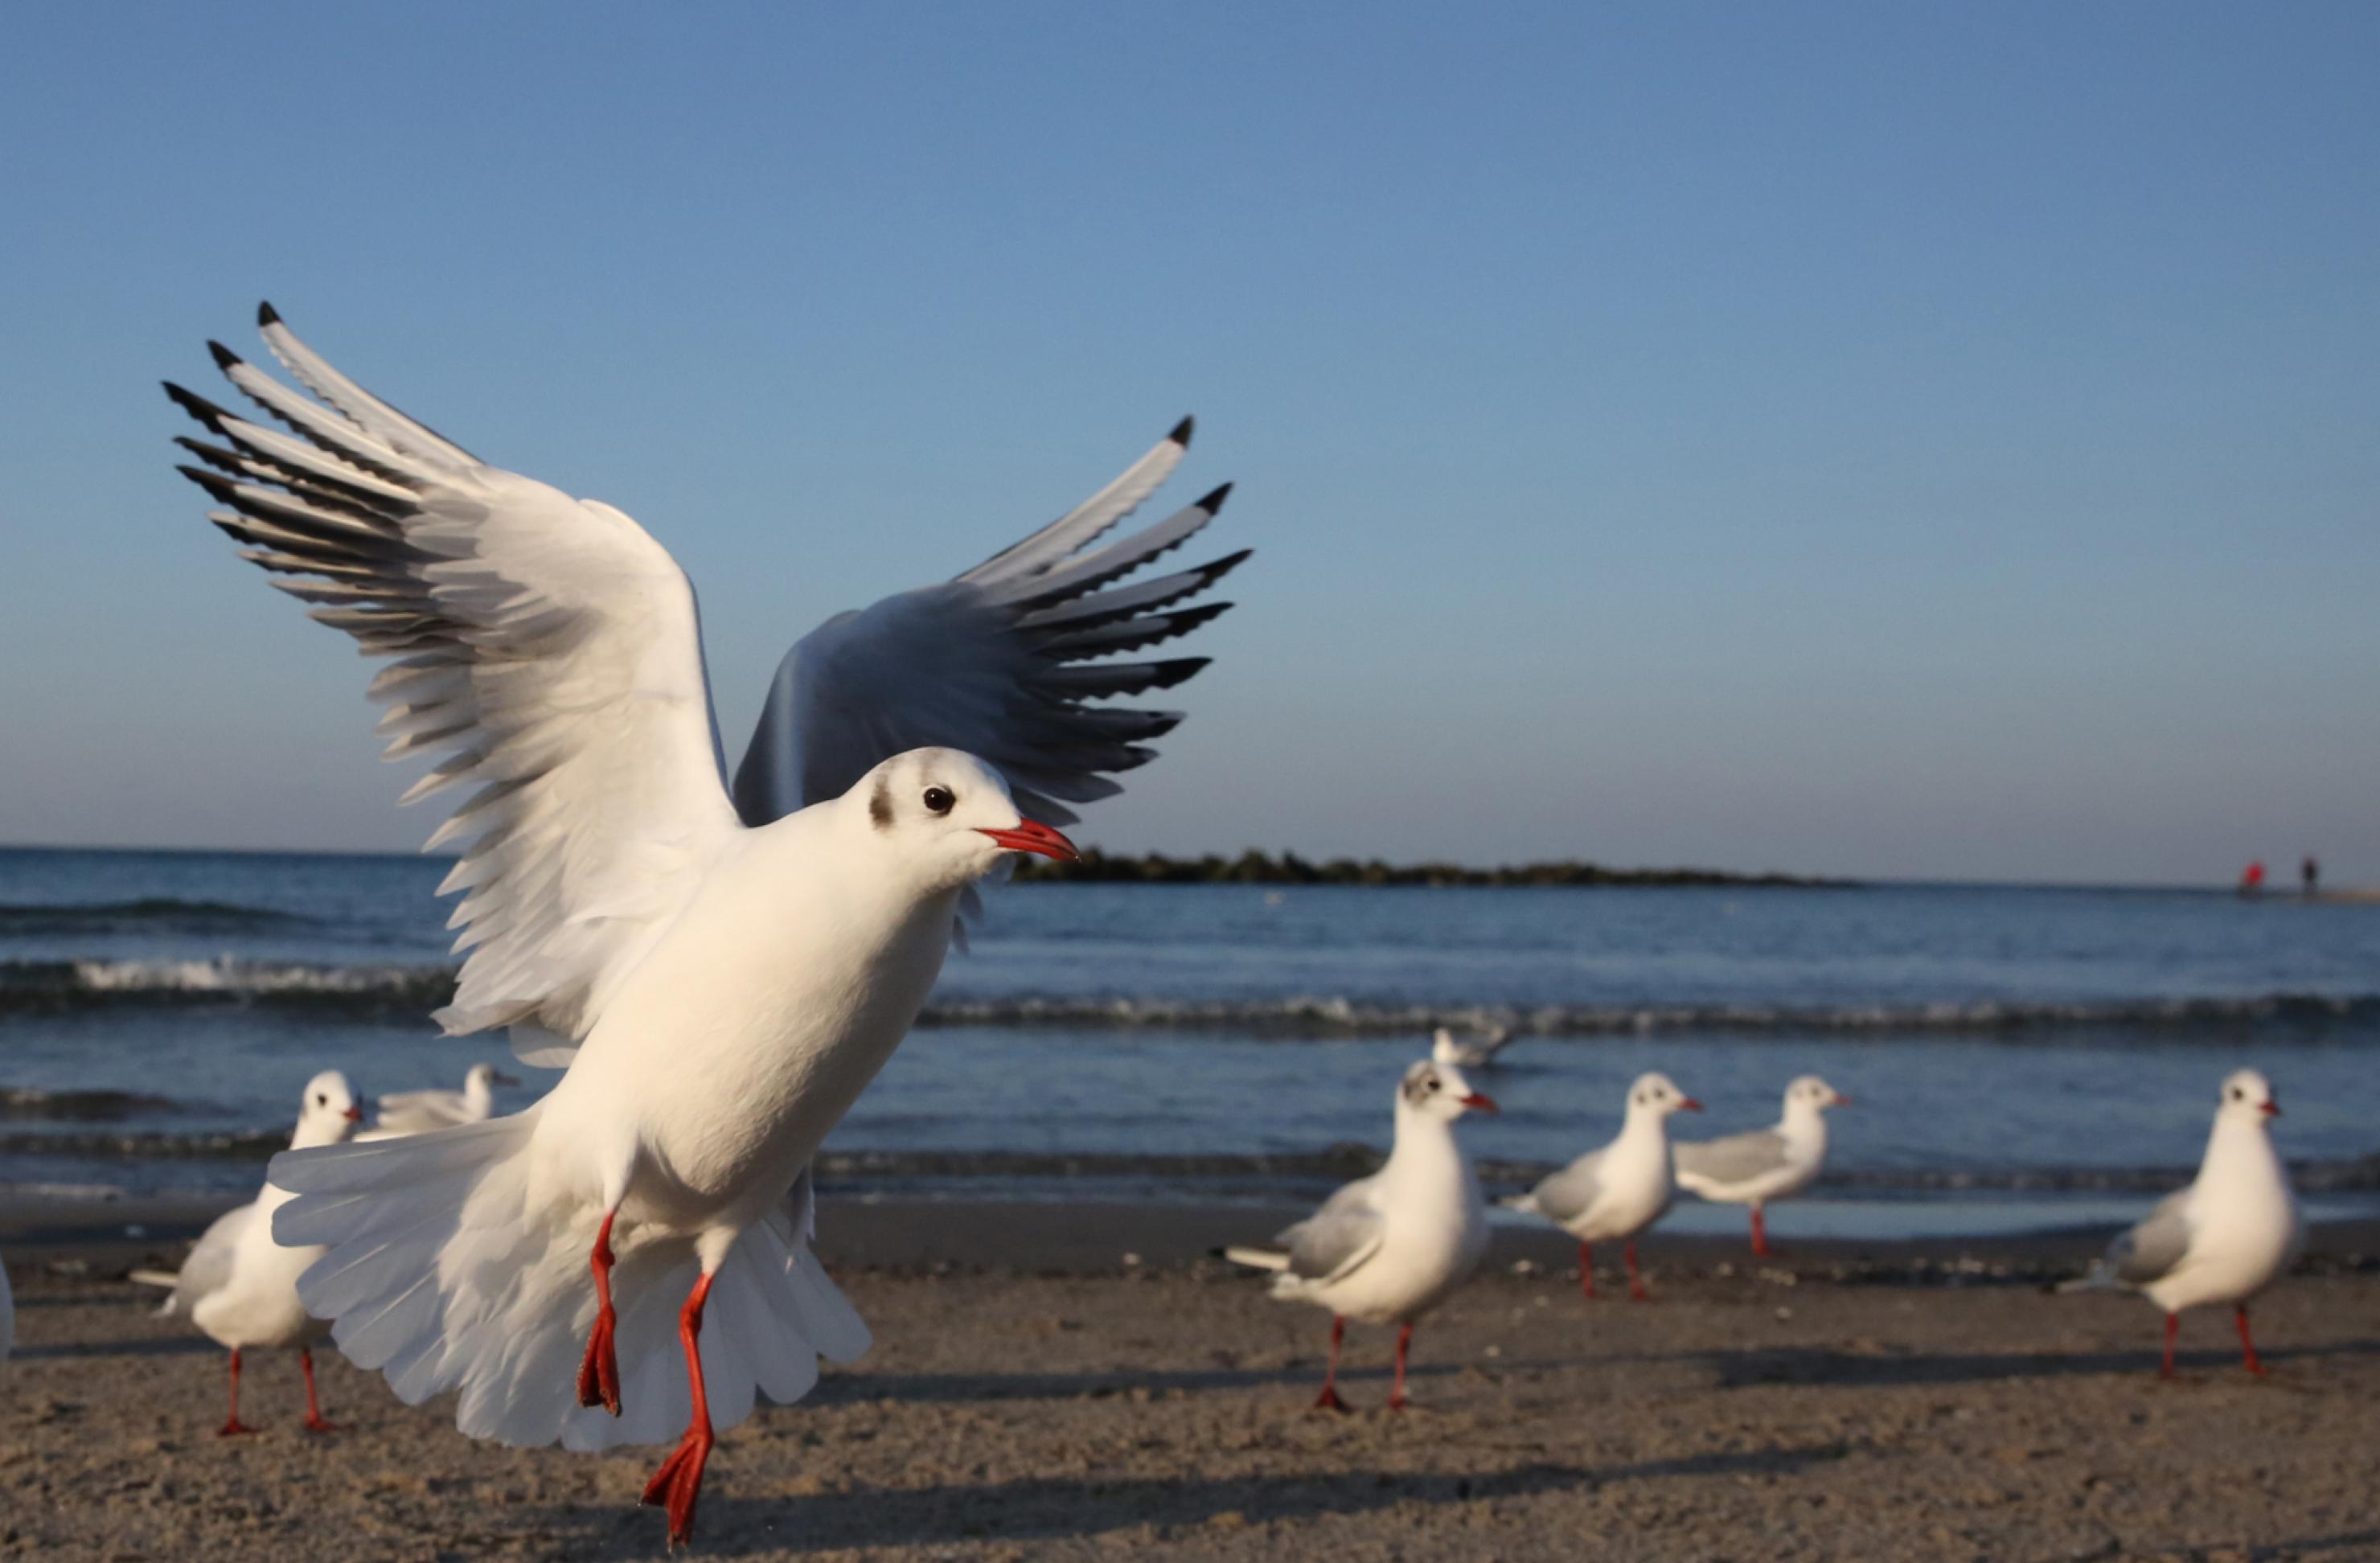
[(948, 817), (1810, 1094), (2248, 1094), (485, 1076), (1659, 1095), (1439, 1091), (328, 1113)]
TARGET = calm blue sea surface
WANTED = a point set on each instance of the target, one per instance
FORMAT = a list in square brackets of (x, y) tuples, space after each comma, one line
[(2020, 1057)]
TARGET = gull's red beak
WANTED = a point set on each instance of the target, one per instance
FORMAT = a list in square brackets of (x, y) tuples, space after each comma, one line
[(1031, 835), (2272, 1110), (355, 1115), (1841, 1101), (1479, 1103), (1690, 1105)]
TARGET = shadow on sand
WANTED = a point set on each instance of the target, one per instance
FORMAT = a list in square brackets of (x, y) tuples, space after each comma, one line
[(1051, 1510), (1819, 1365)]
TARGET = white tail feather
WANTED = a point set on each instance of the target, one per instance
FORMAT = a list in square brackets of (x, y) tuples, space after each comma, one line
[(444, 1274)]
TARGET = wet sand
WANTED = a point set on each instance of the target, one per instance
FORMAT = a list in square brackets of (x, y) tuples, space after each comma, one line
[(1032, 1394)]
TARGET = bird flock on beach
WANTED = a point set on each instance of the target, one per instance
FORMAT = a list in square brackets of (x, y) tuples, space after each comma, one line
[(629, 1259), (1389, 1248)]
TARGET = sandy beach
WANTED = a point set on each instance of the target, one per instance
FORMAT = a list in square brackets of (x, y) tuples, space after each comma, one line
[(1033, 1393)]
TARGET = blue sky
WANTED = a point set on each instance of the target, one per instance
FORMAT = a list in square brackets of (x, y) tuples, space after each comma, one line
[(1915, 440)]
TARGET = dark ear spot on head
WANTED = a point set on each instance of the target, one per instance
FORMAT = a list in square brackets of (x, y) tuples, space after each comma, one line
[(879, 804)]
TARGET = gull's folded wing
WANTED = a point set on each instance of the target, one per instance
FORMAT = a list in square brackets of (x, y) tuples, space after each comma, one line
[(1003, 661), (1738, 1159), (544, 645), (1339, 1239)]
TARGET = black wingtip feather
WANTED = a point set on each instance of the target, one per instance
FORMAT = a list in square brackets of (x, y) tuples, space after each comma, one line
[(1181, 435), (224, 358), (1175, 669), (214, 483), (197, 407), (267, 315), (1214, 501)]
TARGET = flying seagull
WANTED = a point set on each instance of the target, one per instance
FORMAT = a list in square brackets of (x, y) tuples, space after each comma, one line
[(721, 971)]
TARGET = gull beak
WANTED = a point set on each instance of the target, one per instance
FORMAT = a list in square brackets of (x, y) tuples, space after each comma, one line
[(505, 1079), (1690, 1105), (1031, 835), (1479, 1103), (355, 1115), (2272, 1110), (1841, 1101)]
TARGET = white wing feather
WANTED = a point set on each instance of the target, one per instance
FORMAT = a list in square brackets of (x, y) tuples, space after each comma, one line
[(547, 646)]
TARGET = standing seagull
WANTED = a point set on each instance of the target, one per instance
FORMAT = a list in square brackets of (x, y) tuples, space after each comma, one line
[(1766, 1164), (721, 972), (2227, 1237), (1614, 1194), (1394, 1246), (239, 1286), (411, 1112)]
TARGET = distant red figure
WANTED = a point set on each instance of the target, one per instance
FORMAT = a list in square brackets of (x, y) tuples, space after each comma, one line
[(2252, 881)]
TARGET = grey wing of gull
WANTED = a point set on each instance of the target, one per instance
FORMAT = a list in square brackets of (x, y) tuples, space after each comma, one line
[(1335, 1239), (1735, 1159), (2151, 1250), (414, 1112), (1571, 1192), (208, 1269)]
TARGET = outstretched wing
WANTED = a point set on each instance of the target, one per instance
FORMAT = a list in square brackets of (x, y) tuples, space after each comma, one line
[(1005, 662), (546, 646)]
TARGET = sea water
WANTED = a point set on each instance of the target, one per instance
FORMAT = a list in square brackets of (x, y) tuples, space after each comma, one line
[(2019, 1058)]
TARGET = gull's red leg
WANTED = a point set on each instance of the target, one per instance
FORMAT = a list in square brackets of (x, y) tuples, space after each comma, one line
[(2172, 1328), (1760, 1233), (679, 1480), (1636, 1280), (1587, 1269), (232, 1426), (2248, 1344), (314, 1423), (1329, 1400), (598, 1371), (1397, 1393)]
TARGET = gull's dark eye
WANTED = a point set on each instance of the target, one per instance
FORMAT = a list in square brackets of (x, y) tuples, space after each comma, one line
[(938, 800), (321, 1099), (1433, 1082)]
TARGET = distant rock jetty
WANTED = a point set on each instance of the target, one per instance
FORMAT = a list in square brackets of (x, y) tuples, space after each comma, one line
[(1255, 867)]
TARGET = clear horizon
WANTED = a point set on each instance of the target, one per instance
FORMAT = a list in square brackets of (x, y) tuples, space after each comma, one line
[(1880, 444)]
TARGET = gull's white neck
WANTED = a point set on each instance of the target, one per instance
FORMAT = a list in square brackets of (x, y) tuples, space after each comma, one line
[(1424, 1147), (1804, 1128), (2240, 1153)]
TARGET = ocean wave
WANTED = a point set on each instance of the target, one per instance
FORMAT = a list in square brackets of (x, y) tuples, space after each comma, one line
[(371, 991), (352, 990), (29, 1103), (1328, 1015), (155, 914)]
